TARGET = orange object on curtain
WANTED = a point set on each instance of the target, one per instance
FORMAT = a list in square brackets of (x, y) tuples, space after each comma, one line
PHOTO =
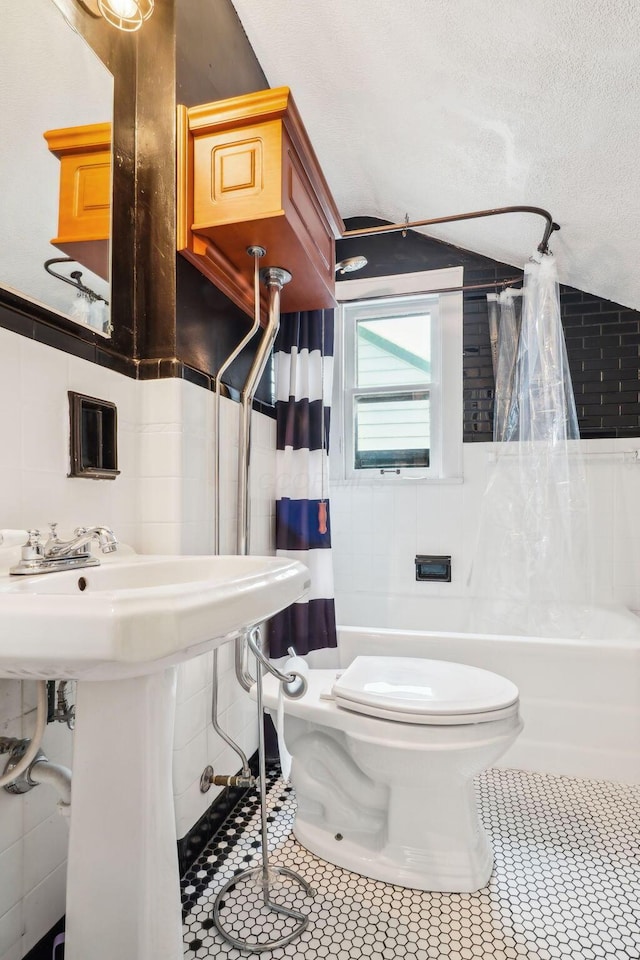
[(322, 516)]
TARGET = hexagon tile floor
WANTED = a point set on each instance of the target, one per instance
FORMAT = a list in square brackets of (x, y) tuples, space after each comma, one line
[(566, 884)]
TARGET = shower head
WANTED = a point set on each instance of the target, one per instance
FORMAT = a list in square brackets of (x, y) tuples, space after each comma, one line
[(351, 264)]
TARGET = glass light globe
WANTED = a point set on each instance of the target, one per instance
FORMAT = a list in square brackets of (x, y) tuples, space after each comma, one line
[(128, 15)]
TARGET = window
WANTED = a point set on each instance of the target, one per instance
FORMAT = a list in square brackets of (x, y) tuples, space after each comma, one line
[(398, 408), (390, 359)]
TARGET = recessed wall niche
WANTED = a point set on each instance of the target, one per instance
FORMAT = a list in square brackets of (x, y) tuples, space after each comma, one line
[(93, 438)]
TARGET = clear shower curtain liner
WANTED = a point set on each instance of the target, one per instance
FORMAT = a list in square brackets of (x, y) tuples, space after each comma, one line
[(542, 407), (304, 377), (505, 314), (530, 571)]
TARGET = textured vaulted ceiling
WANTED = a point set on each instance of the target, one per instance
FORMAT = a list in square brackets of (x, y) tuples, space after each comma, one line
[(434, 107)]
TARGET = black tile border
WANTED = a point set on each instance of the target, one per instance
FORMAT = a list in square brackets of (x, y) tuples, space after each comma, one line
[(221, 849), (43, 949), (193, 843), (176, 369), (115, 362), (266, 408), (52, 330), (35, 322)]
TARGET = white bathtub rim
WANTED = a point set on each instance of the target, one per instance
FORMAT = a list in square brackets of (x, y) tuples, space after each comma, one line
[(619, 643), (586, 623)]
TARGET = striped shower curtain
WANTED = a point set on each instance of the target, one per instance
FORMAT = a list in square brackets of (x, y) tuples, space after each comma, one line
[(304, 375)]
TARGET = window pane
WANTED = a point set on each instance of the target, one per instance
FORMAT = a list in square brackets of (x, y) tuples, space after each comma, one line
[(393, 350), (392, 430)]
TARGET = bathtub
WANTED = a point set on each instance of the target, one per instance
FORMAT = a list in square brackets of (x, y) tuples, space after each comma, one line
[(580, 697)]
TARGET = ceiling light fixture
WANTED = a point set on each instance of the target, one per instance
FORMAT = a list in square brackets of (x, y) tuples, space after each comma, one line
[(127, 15)]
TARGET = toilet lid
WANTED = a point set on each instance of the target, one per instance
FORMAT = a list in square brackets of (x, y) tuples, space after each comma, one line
[(422, 691)]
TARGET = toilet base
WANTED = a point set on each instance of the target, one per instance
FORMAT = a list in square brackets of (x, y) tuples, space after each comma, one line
[(443, 872), (391, 800)]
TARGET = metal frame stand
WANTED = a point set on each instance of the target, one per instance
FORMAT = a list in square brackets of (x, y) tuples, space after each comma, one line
[(264, 874)]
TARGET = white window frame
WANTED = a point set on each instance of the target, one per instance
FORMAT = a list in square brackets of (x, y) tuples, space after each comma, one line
[(352, 391), (445, 388)]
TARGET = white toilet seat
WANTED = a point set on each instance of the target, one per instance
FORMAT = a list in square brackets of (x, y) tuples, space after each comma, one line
[(416, 691)]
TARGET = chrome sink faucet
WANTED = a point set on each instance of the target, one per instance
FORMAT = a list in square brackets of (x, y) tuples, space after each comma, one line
[(56, 554)]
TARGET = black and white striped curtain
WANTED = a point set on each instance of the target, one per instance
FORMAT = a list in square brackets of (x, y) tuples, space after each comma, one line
[(304, 376)]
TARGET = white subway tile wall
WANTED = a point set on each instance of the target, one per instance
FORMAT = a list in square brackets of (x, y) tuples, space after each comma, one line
[(377, 530), (162, 502)]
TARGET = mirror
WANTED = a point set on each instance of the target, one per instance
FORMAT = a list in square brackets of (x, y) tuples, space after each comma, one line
[(50, 80)]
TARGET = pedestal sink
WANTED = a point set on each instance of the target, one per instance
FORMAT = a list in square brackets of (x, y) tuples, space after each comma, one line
[(124, 626)]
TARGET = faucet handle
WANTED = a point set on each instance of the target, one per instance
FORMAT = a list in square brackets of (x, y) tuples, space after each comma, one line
[(33, 547), (79, 531), (53, 534)]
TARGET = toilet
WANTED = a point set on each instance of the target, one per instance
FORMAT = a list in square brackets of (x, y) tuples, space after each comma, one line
[(384, 756)]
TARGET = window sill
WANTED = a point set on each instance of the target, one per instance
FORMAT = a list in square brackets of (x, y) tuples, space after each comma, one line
[(394, 481)]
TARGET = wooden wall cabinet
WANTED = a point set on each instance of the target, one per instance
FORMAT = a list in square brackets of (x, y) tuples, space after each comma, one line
[(84, 210), (248, 175)]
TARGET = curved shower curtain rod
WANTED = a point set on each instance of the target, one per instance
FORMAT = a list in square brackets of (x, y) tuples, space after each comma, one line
[(74, 278), (543, 246)]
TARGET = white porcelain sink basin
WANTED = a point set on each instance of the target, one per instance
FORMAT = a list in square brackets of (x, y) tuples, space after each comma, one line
[(127, 623), (136, 615)]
